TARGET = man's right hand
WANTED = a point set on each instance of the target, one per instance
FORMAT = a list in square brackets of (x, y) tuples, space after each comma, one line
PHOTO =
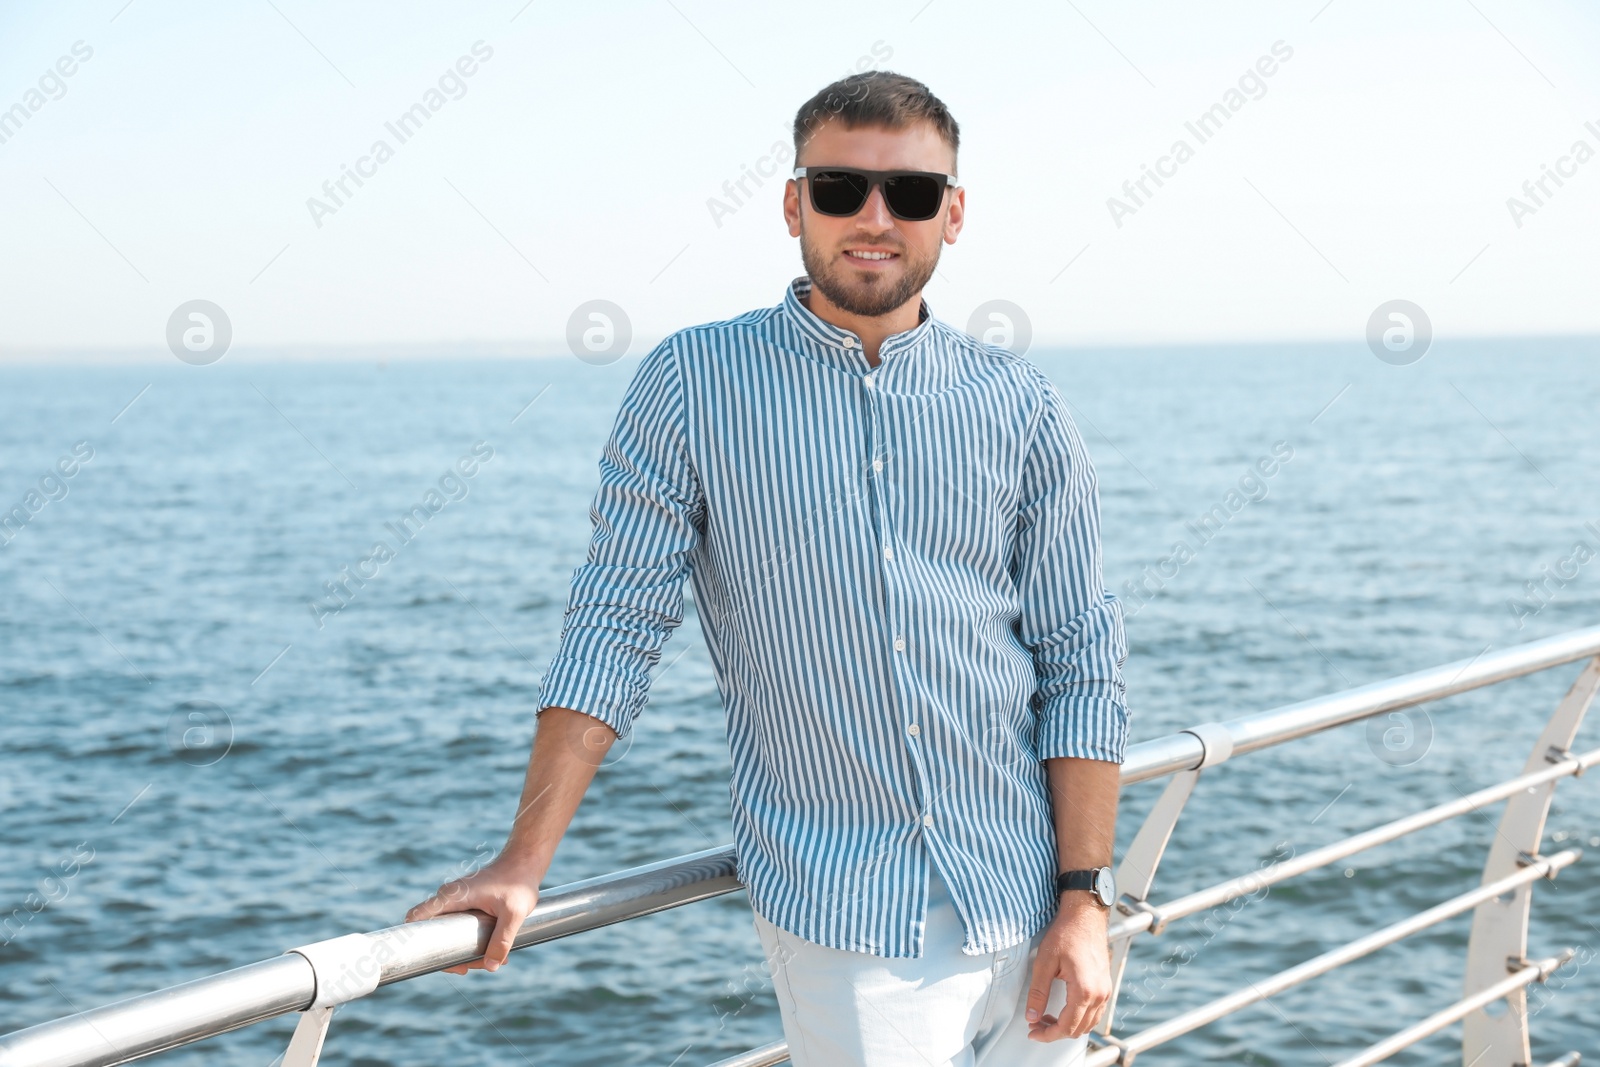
[(505, 891)]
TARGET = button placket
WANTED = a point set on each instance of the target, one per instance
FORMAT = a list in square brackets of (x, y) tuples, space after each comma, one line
[(875, 399)]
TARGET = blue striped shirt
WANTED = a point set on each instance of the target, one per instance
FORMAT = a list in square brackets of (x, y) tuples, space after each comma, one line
[(898, 578)]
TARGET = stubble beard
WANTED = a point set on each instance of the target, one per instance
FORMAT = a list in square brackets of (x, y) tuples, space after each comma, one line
[(867, 293)]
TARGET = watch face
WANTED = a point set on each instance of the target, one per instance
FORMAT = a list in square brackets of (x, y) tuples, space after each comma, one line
[(1105, 886)]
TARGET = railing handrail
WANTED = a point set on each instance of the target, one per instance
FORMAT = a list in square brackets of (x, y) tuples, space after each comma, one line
[(1179, 751), (153, 1022)]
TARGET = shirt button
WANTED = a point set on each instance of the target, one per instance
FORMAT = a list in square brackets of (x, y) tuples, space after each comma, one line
[(927, 820), (867, 381), (849, 342), (899, 644), (888, 553), (877, 464), (913, 729)]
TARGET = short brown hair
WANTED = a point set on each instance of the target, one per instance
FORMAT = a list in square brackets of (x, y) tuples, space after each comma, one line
[(875, 98)]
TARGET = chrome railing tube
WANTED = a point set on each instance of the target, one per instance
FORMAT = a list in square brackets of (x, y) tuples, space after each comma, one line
[(1161, 1033), (166, 1019), (765, 1056), (1535, 971), (1175, 752), (142, 1025), (1244, 884)]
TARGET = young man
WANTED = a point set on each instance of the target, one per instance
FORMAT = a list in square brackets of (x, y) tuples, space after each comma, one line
[(893, 534)]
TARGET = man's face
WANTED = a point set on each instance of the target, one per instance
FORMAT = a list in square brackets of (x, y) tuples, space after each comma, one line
[(829, 244)]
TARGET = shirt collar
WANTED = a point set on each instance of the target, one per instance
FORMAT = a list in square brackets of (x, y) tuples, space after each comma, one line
[(844, 345)]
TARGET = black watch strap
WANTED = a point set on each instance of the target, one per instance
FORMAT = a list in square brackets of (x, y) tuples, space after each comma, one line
[(1099, 881), (1074, 880)]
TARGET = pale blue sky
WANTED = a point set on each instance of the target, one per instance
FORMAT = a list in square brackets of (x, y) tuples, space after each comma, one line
[(578, 164)]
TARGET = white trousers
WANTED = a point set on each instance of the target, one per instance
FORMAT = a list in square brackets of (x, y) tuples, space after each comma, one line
[(945, 1009)]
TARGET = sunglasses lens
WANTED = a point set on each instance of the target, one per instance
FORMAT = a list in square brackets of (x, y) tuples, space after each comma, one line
[(913, 197), (838, 192)]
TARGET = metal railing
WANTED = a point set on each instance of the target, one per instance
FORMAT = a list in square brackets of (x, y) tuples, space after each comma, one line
[(314, 979)]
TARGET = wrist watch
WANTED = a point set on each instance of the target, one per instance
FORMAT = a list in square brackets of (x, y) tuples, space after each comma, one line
[(1100, 882)]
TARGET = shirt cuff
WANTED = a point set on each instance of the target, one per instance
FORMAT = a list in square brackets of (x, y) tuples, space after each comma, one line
[(1083, 727), (601, 694)]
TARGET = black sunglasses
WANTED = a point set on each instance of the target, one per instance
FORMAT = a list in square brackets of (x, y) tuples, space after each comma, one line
[(910, 195)]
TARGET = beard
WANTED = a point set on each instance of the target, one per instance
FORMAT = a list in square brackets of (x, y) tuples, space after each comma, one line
[(867, 293)]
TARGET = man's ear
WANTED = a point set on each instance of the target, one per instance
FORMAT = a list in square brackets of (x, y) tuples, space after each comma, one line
[(791, 206), (956, 216)]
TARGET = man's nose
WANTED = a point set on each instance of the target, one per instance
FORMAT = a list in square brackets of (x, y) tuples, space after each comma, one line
[(875, 212)]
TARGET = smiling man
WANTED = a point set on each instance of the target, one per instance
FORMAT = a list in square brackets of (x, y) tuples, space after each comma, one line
[(892, 531)]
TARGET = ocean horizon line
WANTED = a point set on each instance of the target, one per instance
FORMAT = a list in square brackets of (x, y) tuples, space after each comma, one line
[(473, 350)]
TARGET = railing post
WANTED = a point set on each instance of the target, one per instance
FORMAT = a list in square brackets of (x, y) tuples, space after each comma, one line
[(1499, 940), (1137, 871), (346, 968)]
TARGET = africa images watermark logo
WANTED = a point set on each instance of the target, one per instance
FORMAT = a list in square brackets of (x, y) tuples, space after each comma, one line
[(1399, 332), (1536, 192), (1205, 126), (52, 485), (1000, 322), (1538, 593), (736, 192), (336, 192), (199, 332), (599, 332), (453, 485), (1251, 488), (52, 85)]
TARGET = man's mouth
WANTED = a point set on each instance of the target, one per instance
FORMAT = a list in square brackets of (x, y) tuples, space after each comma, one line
[(866, 255)]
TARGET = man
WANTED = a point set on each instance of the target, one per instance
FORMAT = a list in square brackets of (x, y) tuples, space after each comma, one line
[(893, 534)]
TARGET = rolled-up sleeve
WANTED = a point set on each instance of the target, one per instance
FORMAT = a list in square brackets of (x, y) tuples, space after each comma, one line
[(1070, 623), (647, 517)]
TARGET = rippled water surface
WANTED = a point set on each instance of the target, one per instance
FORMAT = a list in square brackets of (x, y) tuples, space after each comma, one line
[(378, 749)]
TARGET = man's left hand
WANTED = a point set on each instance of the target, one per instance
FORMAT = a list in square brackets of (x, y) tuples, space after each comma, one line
[(1073, 949)]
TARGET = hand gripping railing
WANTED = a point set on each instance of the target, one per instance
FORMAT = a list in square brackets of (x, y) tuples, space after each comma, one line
[(315, 979)]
